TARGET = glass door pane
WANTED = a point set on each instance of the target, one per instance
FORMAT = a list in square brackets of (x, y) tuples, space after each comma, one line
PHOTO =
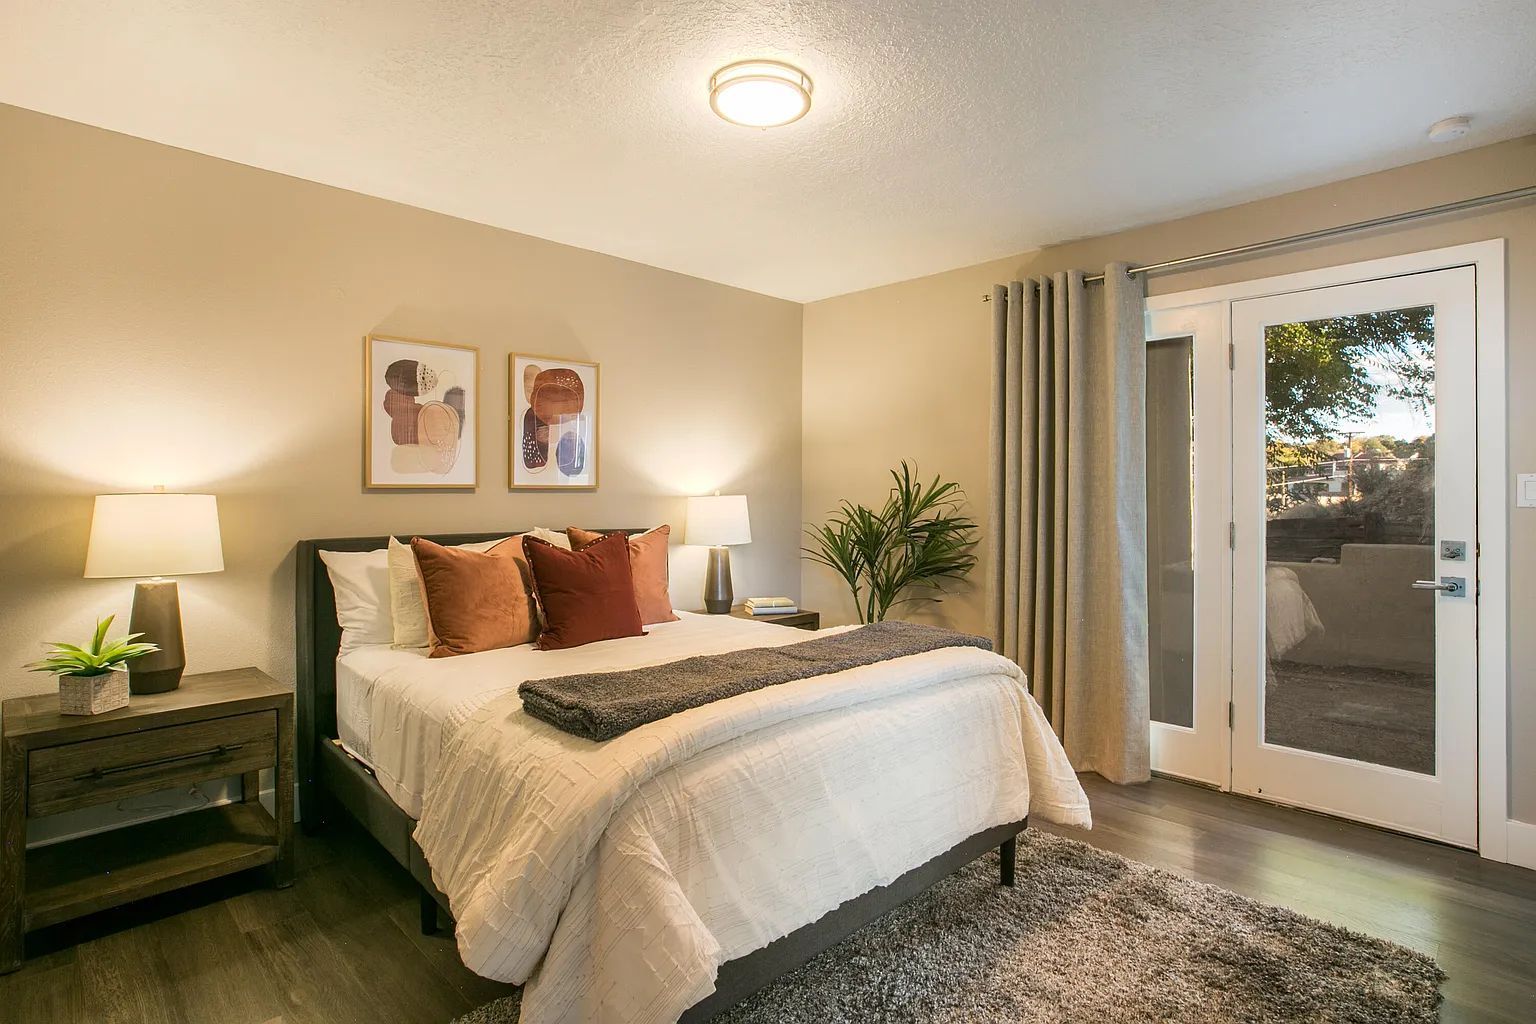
[(1170, 530), (1349, 527)]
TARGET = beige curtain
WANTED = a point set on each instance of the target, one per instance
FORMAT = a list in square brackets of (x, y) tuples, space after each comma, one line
[(1067, 595)]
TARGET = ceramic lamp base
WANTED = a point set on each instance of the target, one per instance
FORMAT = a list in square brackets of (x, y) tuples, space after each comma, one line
[(157, 614), (717, 582)]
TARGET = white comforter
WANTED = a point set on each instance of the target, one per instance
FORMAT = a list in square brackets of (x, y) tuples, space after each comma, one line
[(615, 877)]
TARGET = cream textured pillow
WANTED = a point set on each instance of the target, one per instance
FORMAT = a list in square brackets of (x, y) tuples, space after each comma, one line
[(406, 605)]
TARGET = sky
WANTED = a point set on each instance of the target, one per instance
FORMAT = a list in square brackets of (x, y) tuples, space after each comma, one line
[(1393, 416)]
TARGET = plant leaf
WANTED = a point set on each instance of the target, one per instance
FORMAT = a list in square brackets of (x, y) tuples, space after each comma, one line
[(103, 656), (102, 625)]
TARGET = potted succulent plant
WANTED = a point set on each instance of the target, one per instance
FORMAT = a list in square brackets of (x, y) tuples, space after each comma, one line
[(91, 680)]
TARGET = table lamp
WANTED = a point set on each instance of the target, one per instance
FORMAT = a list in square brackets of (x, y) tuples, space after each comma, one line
[(155, 535), (716, 521)]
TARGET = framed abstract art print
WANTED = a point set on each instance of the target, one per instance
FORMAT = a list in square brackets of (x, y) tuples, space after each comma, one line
[(552, 429), (421, 413)]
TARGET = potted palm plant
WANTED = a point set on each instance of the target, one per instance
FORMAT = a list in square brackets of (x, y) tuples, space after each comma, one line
[(904, 552), (91, 680)]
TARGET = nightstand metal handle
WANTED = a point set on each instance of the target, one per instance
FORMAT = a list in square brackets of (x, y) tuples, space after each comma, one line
[(101, 773)]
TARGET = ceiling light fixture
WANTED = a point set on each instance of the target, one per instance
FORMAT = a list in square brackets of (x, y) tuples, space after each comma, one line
[(760, 93)]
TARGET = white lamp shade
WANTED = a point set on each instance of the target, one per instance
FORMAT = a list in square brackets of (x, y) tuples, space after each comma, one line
[(154, 535), (718, 519)]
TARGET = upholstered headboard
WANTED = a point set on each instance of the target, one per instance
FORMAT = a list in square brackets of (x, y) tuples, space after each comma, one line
[(317, 637)]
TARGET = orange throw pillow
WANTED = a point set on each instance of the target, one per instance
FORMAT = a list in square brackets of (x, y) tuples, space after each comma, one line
[(586, 595), (648, 565), (476, 601)]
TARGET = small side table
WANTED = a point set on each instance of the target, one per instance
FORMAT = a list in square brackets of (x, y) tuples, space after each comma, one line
[(795, 620), (216, 725)]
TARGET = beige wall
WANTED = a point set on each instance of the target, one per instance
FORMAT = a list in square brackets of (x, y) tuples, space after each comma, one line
[(168, 318), (901, 371)]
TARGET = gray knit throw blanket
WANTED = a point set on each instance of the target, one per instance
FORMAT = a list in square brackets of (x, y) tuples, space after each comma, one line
[(602, 705)]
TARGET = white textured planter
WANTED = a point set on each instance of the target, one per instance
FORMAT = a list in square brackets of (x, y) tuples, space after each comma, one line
[(91, 695)]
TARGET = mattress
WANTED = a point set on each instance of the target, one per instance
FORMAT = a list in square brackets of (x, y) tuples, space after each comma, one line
[(395, 709)]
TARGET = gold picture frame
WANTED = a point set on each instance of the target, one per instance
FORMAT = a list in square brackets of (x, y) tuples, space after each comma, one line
[(571, 389), (411, 444)]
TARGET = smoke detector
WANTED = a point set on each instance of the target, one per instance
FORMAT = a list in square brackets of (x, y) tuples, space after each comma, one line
[(1449, 129)]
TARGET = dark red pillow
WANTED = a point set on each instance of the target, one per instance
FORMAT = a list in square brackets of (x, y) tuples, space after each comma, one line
[(586, 595)]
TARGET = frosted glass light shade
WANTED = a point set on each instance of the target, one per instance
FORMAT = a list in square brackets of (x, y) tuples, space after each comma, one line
[(760, 93), (154, 534), (717, 520)]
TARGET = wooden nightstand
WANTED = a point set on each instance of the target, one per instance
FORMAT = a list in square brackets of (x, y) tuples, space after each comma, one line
[(216, 725), (795, 620)]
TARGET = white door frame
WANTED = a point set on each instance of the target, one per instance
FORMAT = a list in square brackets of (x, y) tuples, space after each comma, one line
[(1487, 260)]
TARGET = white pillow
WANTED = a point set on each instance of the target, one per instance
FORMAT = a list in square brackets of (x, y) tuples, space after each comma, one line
[(407, 608), (361, 582), (555, 537)]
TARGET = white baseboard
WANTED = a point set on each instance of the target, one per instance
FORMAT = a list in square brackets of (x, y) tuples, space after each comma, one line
[(57, 828), (1522, 843)]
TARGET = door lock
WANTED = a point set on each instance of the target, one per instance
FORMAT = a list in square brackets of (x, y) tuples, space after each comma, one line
[(1450, 586), (1453, 550)]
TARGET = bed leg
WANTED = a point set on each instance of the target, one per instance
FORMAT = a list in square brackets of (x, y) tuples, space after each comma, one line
[(1008, 852), (428, 913)]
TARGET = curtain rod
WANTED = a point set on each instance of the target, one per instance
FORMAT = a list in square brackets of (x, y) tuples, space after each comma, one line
[(1528, 192)]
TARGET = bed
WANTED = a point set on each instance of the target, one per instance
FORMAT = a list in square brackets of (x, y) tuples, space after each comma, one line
[(384, 734)]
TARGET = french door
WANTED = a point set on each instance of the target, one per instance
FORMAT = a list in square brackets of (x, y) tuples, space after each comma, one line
[(1189, 565), (1313, 548)]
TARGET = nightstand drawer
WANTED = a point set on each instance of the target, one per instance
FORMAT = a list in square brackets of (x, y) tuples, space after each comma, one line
[(91, 772)]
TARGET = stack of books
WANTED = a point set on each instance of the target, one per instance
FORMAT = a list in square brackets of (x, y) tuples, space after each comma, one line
[(770, 605)]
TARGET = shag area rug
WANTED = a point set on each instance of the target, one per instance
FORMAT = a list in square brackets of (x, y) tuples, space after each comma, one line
[(1090, 937)]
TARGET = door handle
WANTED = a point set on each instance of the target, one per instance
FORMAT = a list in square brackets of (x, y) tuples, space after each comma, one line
[(1453, 586)]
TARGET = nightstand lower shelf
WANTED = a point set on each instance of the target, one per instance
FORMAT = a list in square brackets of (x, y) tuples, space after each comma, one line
[(81, 876)]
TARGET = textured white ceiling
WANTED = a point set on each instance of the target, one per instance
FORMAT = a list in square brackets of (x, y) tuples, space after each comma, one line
[(942, 134)]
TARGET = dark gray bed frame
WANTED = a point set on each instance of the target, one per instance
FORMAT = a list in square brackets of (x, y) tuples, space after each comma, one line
[(331, 780)]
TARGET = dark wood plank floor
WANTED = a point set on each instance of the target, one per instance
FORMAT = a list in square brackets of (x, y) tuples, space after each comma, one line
[(343, 945)]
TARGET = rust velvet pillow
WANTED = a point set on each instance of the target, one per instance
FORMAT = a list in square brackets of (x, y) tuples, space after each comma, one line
[(476, 601), (586, 595), (648, 566)]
